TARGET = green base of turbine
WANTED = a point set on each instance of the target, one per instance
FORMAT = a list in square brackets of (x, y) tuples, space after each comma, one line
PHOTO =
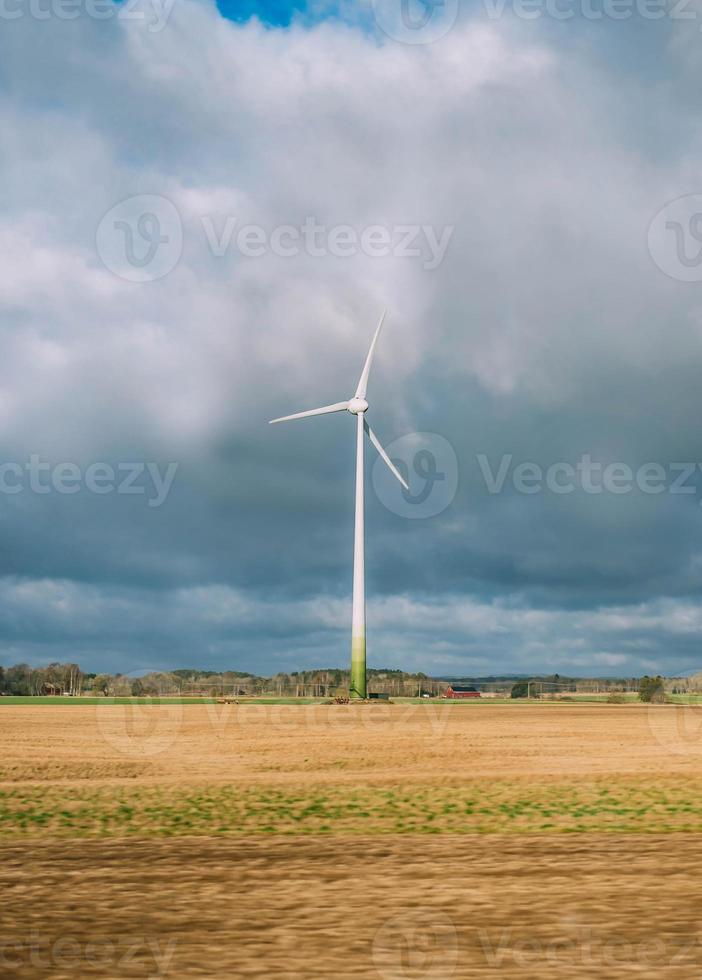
[(358, 668)]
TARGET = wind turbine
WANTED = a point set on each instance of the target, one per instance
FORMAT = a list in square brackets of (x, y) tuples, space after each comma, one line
[(357, 406)]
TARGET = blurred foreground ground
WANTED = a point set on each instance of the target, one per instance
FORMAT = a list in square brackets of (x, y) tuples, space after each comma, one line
[(394, 907)]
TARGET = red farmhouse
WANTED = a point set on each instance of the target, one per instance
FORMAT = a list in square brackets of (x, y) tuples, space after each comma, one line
[(461, 691)]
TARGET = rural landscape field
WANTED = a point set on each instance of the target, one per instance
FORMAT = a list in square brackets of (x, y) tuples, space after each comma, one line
[(371, 840), (350, 489)]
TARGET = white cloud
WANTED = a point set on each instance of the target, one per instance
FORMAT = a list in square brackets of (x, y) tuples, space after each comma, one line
[(546, 300)]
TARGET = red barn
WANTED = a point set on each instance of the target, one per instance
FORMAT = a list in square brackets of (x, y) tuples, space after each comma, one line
[(461, 691)]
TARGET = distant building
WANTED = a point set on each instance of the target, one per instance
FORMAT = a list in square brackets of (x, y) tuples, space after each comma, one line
[(52, 690), (461, 691)]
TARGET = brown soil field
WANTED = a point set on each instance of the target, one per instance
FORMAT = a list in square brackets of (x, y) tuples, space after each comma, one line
[(341, 744), (531, 906), (388, 842)]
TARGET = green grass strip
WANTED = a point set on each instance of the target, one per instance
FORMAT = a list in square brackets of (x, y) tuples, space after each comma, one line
[(500, 807)]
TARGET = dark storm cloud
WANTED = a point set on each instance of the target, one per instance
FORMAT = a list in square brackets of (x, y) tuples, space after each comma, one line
[(546, 333)]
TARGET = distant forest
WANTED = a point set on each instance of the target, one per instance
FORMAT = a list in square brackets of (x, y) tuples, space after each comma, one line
[(70, 679)]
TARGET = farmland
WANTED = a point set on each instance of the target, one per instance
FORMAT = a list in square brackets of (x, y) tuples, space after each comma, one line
[(544, 819)]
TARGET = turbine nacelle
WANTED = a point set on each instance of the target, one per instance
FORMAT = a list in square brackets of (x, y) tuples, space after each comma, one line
[(357, 405)]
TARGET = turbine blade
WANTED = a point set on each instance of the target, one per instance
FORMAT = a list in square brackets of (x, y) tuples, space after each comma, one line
[(363, 380), (325, 410), (384, 456)]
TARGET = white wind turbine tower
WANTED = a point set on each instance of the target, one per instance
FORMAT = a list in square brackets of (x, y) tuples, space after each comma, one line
[(357, 406)]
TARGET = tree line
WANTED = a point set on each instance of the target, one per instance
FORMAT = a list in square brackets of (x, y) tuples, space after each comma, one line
[(70, 680), (25, 681)]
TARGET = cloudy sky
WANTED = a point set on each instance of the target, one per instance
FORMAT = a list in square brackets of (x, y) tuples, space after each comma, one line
[(204, 212)]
